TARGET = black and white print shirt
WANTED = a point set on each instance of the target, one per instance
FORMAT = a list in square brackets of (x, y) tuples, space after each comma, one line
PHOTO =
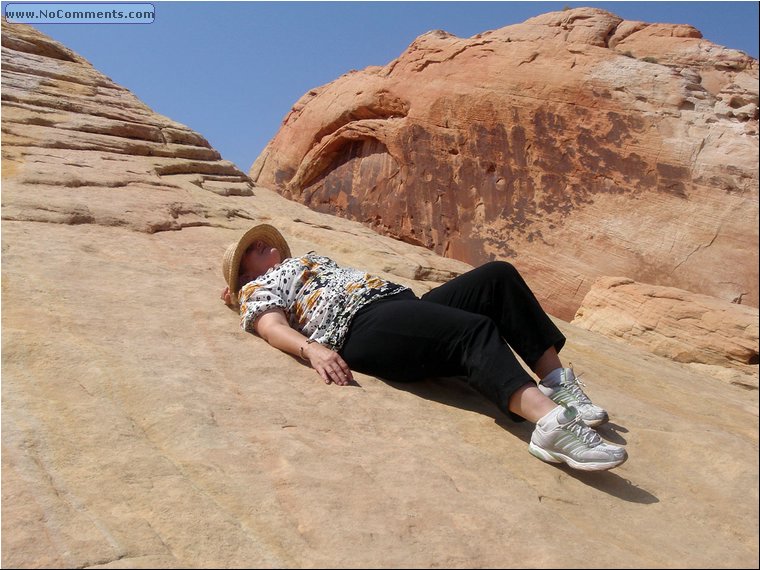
[(319, 297)]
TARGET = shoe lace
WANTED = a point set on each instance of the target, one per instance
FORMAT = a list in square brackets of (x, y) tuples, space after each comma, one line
[(585, 433), (574, 386)]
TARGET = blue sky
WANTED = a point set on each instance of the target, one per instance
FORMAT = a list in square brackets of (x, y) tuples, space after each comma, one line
[(232, 70)]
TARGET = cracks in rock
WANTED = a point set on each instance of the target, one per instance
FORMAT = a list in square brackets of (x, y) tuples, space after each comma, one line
[(201, 167), (426, 62), (175, 226), (76, 110), (529, 59), (15, 67), (698, 248), (132, 146), (388, 69), (104, 561), (743, 385), (578, 288), (319, 226), (738, 299), (541, 499), (40, 47), (694, 160), (74, 219)]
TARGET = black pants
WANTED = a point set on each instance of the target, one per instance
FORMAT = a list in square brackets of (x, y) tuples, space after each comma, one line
[(457, 329)]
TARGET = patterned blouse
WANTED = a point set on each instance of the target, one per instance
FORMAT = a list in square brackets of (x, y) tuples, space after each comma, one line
[(319, 298)]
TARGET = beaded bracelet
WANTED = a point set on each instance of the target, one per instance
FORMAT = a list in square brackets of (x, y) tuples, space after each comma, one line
[(303, 357)]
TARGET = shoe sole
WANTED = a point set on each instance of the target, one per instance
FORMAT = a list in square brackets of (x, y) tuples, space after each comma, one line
[(554, 457)]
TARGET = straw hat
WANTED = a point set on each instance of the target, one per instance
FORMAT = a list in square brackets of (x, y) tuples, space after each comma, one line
[(232, 257)]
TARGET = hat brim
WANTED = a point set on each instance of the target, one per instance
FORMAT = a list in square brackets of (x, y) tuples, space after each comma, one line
[(234, 254)]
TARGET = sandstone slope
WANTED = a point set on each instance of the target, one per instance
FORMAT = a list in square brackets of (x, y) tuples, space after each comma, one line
[(577, 144), (78, 140), (141, 428)]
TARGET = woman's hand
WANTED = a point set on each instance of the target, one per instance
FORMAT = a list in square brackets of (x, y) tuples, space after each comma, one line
[(328, 364), (225, 296), (274, 328)]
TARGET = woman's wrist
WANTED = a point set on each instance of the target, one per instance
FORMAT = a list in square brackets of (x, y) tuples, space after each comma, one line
[(303, 349)]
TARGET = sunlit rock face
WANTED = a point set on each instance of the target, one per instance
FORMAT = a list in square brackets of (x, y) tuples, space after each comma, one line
[(680, 325), (79, 148), (576, 144)]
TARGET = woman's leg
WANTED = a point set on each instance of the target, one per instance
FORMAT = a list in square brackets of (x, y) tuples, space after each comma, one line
[(530, 403), (498, 291), (407, 340), (548, 362)]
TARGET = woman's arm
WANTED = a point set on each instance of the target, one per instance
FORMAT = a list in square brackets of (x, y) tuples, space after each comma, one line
[(273, 327)]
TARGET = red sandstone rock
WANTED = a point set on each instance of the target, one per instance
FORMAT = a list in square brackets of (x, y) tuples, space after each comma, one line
[(575, 144)]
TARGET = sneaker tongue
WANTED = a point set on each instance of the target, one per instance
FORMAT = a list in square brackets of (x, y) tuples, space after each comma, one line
[(569, 413)]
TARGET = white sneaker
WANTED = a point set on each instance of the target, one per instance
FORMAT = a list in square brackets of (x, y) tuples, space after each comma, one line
[(565, 388), (562, 437)]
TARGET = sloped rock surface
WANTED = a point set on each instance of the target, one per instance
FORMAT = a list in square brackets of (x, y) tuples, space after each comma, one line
[(73, 141), (576, 144), (141, 428)]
